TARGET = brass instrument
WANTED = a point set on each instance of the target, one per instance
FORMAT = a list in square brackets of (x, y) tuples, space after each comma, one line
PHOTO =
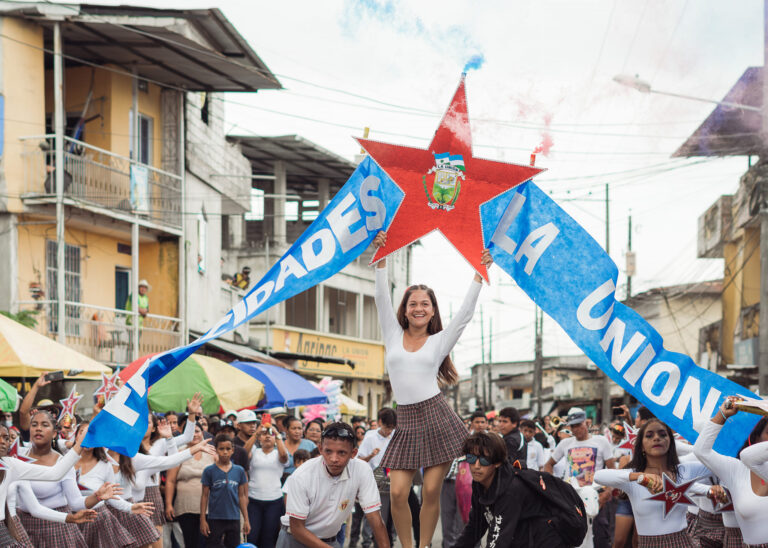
[(555, 422)]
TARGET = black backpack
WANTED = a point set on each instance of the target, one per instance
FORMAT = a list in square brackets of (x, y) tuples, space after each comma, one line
[(567, 515)]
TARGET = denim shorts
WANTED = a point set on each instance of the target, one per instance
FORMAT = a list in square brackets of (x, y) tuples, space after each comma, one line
[(624, 508)]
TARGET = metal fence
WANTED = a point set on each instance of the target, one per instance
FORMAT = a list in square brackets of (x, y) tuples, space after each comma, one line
[(102, 178), (104, 334)]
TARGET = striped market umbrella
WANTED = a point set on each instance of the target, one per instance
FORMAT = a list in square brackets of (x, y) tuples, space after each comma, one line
[(223, 387)]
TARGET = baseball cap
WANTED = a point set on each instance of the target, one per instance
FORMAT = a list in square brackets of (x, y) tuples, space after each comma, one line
[(231, 412), (576, 415), (226, 424), (246, 415), (619, 429)]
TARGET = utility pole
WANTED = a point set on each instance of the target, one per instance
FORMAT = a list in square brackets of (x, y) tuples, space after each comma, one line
[(605, 408), (762, 361), (538, 363), (630, 259), (482, 357), (490, 405)]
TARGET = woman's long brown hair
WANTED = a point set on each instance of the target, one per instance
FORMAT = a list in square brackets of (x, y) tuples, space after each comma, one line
[(447, 374)]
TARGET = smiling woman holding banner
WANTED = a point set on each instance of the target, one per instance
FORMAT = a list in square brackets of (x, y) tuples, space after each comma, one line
[(429, 434)]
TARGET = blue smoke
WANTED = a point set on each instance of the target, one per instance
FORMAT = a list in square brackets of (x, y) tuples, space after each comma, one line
[(474, 63)]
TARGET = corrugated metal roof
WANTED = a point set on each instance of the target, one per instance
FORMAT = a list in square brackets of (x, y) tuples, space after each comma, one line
[(305, 162), (197, 50), (730, 131)]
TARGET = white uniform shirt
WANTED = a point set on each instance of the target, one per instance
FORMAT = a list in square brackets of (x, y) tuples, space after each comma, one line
[(583, 458), (265, 473), (325, 502), (537, 456), (373, 440)]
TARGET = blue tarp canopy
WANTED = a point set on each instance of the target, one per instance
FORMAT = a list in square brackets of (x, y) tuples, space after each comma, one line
[(282, 388)]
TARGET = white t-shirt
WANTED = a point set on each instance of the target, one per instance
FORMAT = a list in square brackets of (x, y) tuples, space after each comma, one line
[(584, 458), (537, 455), (265, 473), (373, 440), (325, 502)]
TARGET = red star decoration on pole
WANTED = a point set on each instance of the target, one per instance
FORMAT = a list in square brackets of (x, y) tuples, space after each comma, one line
[(674, 494), (69, 403), (629, 442), (459, 183), (108, 386), (14, 452)]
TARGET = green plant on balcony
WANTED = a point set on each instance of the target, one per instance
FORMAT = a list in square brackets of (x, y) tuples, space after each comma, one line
[(24, 317)]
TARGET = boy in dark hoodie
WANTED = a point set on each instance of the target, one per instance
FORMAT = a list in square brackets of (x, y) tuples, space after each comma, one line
[(502, 502)]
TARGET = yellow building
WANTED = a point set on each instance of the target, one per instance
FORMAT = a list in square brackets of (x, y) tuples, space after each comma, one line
[(109, 107)]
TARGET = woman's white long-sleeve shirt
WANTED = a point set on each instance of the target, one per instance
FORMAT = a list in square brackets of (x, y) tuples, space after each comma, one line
[(751, 509), (56, 494), (102, 473), (649, 514), (21, 490), (19, 470), (147, 465), (413, 375), (170, 446)]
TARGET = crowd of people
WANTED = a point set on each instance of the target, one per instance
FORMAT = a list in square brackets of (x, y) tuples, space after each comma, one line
[(273, 480)]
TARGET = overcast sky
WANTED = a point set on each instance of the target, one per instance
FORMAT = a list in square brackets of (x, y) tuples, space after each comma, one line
[(546, 77)]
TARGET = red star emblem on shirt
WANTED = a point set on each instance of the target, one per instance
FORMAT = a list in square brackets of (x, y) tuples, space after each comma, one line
[(108, 386), (629, 442), (444, 186), (14, 452), (69, 403), (674, 494)]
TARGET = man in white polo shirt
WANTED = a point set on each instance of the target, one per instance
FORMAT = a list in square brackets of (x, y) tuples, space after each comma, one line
[(322, 493)]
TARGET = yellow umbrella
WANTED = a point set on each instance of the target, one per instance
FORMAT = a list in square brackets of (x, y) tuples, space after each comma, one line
[(26, 353), (348, 406)]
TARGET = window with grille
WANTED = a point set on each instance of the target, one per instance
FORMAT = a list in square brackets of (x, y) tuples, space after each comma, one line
[(72, 287)]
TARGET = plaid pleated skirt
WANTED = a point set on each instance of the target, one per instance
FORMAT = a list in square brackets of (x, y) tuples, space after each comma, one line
[(152, 494), (732, 538), (50, 534), (690, 520), (106, 531), (140, 528), (681, 539), (6, 539), (21, 532), (709, 529), (428, 433)]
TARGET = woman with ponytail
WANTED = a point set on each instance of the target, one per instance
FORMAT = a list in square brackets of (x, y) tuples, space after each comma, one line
[(429, 434)]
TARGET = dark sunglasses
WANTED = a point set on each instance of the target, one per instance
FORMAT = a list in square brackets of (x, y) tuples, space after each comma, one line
[(472, 459), (337, 433)]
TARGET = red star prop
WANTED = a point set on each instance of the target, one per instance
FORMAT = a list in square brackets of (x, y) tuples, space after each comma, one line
[(674, 494), (721, 507), (14, 452), (69, 403), (629, 443), (444, 186), (108, 386)]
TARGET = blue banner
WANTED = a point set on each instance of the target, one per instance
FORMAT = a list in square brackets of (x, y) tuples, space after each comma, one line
[(343, 230), (568, 274)]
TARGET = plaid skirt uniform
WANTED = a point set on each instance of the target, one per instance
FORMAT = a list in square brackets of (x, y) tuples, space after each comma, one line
[(50, 534), (140, 527), (708, 530), (428, 433), (152, 494), (690, 519), (681, 539), (106, 531), (732, 538), (24, 540), (6, 539)]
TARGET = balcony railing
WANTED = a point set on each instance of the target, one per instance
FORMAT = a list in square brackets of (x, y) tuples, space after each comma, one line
[(101, 178), (104, 334)]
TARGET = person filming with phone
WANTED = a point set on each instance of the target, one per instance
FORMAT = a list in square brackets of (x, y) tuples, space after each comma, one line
[(265, 495)]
